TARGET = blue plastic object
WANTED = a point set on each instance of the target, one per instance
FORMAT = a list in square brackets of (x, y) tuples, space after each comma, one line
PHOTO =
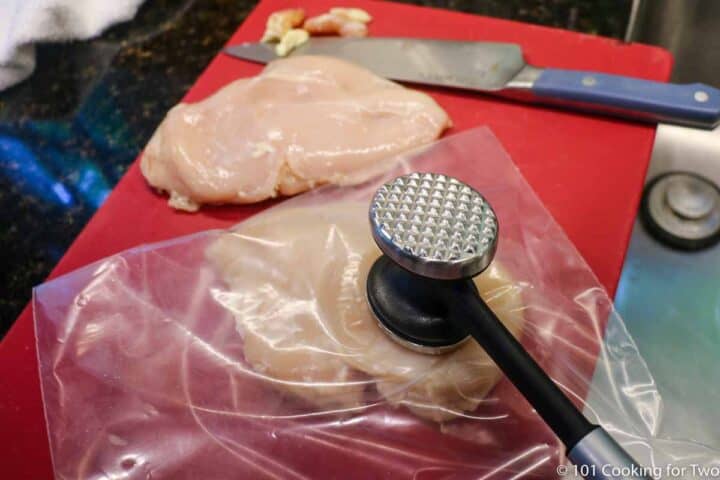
[(693, 104)]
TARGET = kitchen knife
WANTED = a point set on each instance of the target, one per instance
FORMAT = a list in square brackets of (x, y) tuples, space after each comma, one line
[(499, 68)]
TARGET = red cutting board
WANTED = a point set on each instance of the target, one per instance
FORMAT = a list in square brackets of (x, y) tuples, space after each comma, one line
[(588, 171)]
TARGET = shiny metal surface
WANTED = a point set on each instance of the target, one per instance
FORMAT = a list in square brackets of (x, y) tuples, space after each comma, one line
[(688, 28), (690, 197), (669, 298), (686, 149), (525, 79), (682, 149), (416, 347), (604, 459), (471, 65), (434, 225), (670, 304), (685, 206)]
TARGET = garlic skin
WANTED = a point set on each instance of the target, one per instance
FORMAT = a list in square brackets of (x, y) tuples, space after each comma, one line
[(290, 41), (354, 14), (331, 24), (281, 22)]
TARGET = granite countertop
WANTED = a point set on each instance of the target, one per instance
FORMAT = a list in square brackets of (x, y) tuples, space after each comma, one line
[(69, 132)]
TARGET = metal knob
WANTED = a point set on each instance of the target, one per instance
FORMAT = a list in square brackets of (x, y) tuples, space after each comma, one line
[(690, 197), (682, 210)]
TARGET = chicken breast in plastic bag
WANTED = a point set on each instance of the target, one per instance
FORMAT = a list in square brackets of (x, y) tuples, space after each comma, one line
[(296, 281), (302, 122)]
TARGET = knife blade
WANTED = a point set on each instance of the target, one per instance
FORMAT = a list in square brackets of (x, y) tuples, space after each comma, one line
[(500, 69)]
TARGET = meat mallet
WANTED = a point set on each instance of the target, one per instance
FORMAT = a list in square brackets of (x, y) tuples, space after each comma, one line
[(437, 233)]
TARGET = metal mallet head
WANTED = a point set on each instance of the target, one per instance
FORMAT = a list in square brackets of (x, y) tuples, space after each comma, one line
[(434, 225), (436, 233)]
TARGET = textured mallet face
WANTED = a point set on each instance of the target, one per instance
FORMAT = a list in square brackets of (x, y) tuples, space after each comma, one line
[(434, 225)]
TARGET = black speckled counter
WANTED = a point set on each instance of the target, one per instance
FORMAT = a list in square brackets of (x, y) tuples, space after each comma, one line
[(70, 131)]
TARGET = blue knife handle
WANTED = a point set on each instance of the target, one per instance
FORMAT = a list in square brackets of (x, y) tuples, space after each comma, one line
[(689, 104)]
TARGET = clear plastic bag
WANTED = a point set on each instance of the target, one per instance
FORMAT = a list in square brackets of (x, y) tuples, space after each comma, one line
[(250, 353)]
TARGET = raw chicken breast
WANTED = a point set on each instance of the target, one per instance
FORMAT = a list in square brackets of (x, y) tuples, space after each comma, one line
[(296, 281), (302, 122)]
